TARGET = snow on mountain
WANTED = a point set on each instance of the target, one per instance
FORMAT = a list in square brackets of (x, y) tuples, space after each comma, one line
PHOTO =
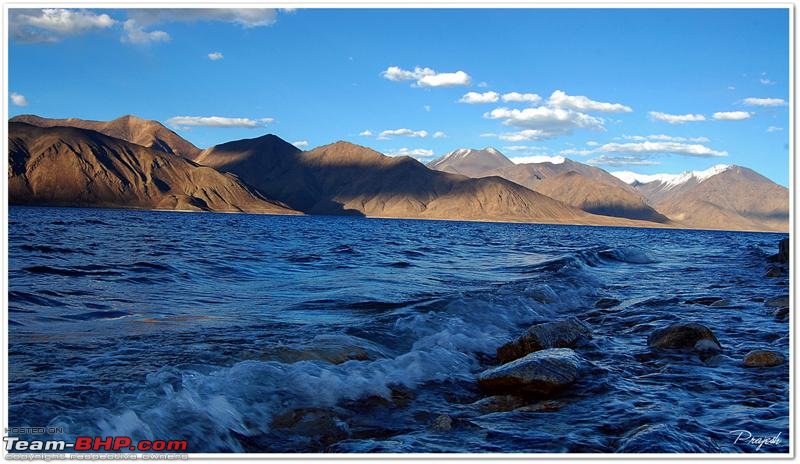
[(670, 180)]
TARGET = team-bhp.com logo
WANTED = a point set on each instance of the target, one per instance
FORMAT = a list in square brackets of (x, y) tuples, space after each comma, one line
[(122, 444)]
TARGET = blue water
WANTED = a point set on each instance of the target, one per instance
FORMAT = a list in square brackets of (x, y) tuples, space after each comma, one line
[(248, 333)]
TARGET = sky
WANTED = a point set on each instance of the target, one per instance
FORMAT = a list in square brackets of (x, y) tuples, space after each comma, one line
[(644, 90)]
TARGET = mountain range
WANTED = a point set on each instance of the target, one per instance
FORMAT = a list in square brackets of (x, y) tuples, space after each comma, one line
[(136, 163)]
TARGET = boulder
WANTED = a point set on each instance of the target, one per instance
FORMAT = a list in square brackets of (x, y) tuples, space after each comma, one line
[(773, 271), (443, 423), (781, 313), (560, 334), (783, 252), (539, 373), (777, 302), (499, 403), (684, 336), (762, 358)]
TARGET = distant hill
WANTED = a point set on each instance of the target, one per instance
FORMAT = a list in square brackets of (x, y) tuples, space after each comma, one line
[(586, 187), (68, 166), (343, 178), (722, 197), (145, 132)]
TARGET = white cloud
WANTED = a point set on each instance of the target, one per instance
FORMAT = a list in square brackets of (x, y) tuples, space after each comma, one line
[(523, 135), (676, 118), (731, 115), (766, 81), (300, 143), (521, 97), (477, 97), (366, 133), (523, 148), (764, 101), (730, 87), (538, 159), (621, 161), (544, 121), (675, 148), (141, 19), (217, 121), (439, 135), (135, 34), (402, 133), (666, 138), (560, 99), (483, 84), (427, 108), (427, 77), (418, 153), (18, 99), (592, 143), (54, 24), (214, 56), (774, 129)]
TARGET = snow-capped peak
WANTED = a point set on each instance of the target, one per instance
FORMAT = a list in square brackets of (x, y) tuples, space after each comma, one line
[(670, 181), (462, 153)]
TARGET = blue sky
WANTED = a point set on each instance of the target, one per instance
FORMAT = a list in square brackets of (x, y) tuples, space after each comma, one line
[(649, 90)]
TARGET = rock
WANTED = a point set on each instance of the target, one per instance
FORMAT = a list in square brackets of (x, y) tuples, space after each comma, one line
[(720, 303), (561, 334), (605, 303), (541, 406), (762, 358), (774, 271), (542, 293), (718, 360), (783, 252), (539, 373), (684, 335), (499, 403), (442, 423), (704, 300), (781, 313), (319, 425), (777, 302)]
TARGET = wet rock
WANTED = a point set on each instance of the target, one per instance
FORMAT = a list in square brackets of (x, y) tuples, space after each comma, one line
[(542, 294), (561, 334), (773, 271), (442, 423), (720, 303), (539, 373), (777, 302), (605, 303), (499, 403), (783, 252), (335, 349), (541, 406), (763, 358), (781, 313), (685, 336), (704, 300), (320, 426)]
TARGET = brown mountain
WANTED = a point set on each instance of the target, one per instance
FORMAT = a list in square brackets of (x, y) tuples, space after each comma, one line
[(596, 197), (723, 197), (471, 162), (145, 132), (586, 187), (79, 167), (343, 178)]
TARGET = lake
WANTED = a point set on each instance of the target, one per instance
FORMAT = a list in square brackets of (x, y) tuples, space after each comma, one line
[(255, 333)]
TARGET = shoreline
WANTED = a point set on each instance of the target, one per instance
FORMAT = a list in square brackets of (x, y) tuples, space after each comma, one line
[(643, 225)]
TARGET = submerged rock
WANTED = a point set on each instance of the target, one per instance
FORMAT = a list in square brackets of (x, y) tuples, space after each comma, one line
[(442, 423), (499, 403), (762, 358), (605, 303), (685, 335), (773, 271), (539, 373), (783, 252), (541, 406), (561, 334), (320, 426), (781, 313), (777, 302)]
